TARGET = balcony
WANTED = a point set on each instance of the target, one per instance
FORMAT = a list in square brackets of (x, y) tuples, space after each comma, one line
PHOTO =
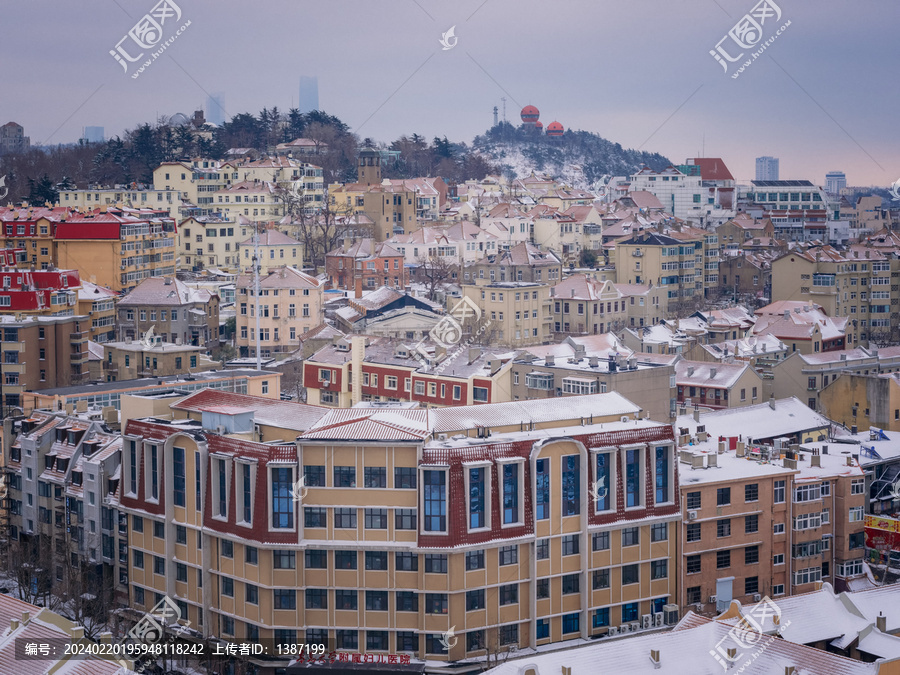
[(79, 357), (80, 336), (13, 367)]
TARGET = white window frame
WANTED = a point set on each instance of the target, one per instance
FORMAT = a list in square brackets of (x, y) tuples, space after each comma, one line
[(147, 457), (612, 452), (642, 488), (227, 460), (488, 512), (280, 465), (672, 459), (421, 482), (520, 462), (239, 489)]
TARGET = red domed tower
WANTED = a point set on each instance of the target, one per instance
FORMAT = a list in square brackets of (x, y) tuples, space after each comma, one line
[(539, 126), (555, 129), (530, 115)]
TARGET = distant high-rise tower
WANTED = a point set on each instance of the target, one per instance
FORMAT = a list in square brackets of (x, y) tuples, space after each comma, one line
[(766, 168), (835, 181), (309, 94), (94, 135), (215, 109)]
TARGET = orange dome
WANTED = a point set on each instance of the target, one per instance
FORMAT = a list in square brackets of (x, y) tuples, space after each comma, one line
[(555, 129), (530, 114), (539, 124)]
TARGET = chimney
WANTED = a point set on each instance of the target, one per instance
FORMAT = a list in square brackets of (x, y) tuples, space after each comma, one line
[(549, 361), (77, 633), (815, 461), (26, 617), (772, 401), (712, 373), (474, 353), (358, 293), (690, 371), (654, 658), (881, 622), (696, 414)]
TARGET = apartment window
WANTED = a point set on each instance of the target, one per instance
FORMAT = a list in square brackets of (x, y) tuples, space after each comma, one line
[(779, 492), (227, 548), (376, 560), (247, 492), (632, 478), (856, 514), (376, 519), (345, 518), (662, 474), (600, 579), (600, 541), (435, 500), (751, 585), (221, 488), (345, 560), (159, 565), (659, 569), (475, 560), (659, 532), (570, 583), (315, 559), (178, 476), (778, 528), (509, 634), (437, 603), (344, 476), (778, 559), (509, 594), (723, 527), (693, 532), (228, 587), (723, 496), (407, 601), (180, 534), (604, 483), (137, 523), (630, 574), (475, 599), (159, 529), (138, 559), (723, 559), (857, 486), (630, 536), (283, 560), (542, 489), (570, 544), (510, 493), (751, 492), (282, 498), (542, 549), (376, 601), (751, 555), (571, 484), (436, 563), (693, 500), (316, 598), (476, 498), (375, 477), (542, 588), (315, 516), (692, 564), (405, 519), (405, 478)]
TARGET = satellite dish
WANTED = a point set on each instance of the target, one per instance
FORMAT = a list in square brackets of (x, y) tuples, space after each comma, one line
[(178, 120)]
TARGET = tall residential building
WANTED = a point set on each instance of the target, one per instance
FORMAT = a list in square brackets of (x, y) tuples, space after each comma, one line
[(835, 181), (767, 168), (486, 520), (309, 94), (215, 109), (13, 138), (93, 135)]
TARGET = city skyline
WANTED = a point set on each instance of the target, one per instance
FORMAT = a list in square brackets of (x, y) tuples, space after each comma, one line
[(680, 106)]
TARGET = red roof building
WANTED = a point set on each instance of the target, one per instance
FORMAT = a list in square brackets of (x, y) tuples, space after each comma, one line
[(555, 129)]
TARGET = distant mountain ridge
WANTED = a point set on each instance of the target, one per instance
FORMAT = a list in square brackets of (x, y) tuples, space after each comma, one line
[(578, 157)]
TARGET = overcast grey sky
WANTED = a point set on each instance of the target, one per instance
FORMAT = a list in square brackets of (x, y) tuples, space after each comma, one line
[(823, 96)]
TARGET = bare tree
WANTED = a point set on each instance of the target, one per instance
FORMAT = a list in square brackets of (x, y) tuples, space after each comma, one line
[(436, 272)]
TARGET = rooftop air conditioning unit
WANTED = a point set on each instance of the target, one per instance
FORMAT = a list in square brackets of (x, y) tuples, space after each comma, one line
[(442, 437), (613, 631), (712, 599), (635, 626), (670, 614), (659, 619), (624, 418), (646, 621)]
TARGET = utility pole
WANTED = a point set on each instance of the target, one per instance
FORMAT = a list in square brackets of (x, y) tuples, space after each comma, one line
[(256, 266)]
